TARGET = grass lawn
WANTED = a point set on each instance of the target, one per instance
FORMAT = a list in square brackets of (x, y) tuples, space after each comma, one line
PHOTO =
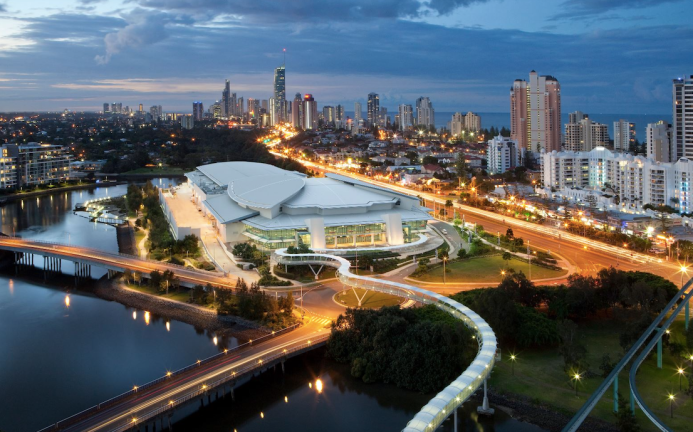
[(156, 170), (182, 295), (486, 269), (539, 375), (372, 299)]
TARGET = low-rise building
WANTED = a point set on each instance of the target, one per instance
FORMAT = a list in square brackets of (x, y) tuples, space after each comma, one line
[(33, 164)]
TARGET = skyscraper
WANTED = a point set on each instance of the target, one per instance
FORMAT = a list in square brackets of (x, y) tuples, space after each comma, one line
[(358, 113), (328, 115), (297, 111), (198, 111), (535, 113), (280, 94), (406, 117), (382, 117), (106, 108), (226, 100), (681, 130), (624, 135), (233, 106), (373, 109), (425, 115), (141, 110), (585, 135), (457, 124), (310, 112), (340, 119), (472, 122)]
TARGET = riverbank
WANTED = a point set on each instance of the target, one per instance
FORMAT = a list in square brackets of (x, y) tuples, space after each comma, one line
[(197, 316), (143, 176), (21, 195), (525, 410)]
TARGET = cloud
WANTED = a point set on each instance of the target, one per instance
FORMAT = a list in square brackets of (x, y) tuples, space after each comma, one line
[(310, 10), (144, 28), (577, 9), (3, 7)]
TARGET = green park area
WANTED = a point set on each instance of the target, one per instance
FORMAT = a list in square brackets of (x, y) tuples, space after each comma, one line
[(548, 335), (369, 299), (539, 375), (484, 269)]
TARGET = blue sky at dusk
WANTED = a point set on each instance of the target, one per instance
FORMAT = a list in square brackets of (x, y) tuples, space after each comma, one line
[(611, 56)]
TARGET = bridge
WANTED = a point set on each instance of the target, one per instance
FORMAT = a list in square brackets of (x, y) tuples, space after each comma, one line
[(83, 258), (155, 402)]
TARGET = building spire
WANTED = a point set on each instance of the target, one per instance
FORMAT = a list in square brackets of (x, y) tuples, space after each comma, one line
[(284, 64)]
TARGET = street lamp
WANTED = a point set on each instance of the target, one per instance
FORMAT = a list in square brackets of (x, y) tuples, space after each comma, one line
[(576, 377), (672, 397), (513, 357), (445, 259), (681, 372)]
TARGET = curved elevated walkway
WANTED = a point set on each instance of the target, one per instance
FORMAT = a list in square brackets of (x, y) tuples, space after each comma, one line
[(447, 401)]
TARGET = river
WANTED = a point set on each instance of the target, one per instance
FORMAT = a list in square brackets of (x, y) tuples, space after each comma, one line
[(62, 351)]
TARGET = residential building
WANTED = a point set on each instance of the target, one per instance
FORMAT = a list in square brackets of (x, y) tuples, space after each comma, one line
[(198, 111), (187, 121), (472, 122), (682, 126), (328, 115), (502, 155), (33, 164), (373, 109), (310, 112), (339, 117), (659, 141), (274, 208), (425, 114), (406, 117), (383, 120), (253, 108), (635, 180), (585, 134), (226, 100), (535, 113), (457, 125), (280, 111), (358, 113), (624, 135), (106, 108), (297, 111)]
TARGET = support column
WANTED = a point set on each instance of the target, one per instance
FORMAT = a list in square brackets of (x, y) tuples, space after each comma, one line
[(485, 409), (632, 402), (454, 419), (659, 348), (616, 394), (686, 314)]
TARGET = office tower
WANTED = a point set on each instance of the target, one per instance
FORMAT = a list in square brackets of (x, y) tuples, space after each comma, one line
[(106, 108), (373, 109), (280, 94), (297, 111), (472, 122), (233, 106), (226, 100), (198, 111), (141, 110), (659, 141), (358, 113), (535, 113), (457, 124), (406, 117), (215, 109), (328, 115), (585, 135), (682, 126), (425, 115), (310, 112), (187, 121), (624, 135)]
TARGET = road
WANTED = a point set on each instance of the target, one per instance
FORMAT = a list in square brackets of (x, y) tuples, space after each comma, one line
[(589, 256), (115, 261)]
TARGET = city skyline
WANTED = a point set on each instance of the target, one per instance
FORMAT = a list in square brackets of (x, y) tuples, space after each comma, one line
[(97, 51)]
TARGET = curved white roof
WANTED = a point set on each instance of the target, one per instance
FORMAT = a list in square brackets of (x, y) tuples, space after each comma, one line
[(329, 193), (224, 173), (266, 191)]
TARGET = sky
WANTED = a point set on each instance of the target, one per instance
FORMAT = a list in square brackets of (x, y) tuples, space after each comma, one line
[(610, 56)]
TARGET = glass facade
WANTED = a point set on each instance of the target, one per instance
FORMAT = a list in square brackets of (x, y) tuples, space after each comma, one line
[(335, 236)]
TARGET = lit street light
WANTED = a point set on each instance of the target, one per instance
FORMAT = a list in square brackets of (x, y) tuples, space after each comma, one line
[(513, 357), (672, 397), (681, 373), (576, 377)]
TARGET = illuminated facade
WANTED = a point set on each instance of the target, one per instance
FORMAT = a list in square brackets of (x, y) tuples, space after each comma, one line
[(535, 113), (275, 208), (33, 164)]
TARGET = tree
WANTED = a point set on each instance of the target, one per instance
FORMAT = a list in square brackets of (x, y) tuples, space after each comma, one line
[(461, 168), (134, 198), (509, 234), (448, 205), (507, 256), (155, 279), (573, 352), (624, 417)]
